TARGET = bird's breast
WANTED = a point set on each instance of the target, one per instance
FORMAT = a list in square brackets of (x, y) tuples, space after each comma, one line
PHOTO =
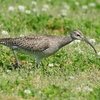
[(52, 49)]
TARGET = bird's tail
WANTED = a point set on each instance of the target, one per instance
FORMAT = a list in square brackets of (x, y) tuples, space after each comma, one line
[(6, 41)]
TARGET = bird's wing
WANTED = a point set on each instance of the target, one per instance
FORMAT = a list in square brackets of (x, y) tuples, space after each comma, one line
[(33, 43)]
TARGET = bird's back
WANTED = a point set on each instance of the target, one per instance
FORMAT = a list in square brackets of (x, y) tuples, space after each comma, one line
[(37, 44)]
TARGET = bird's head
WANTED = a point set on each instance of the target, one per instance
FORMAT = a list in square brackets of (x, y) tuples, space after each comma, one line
[(77, 35)]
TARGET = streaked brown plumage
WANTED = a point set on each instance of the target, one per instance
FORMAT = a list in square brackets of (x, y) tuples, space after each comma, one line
[(41, 46)]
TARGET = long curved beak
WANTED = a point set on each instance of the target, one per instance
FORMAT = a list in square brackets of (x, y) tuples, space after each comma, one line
[(84, 39)]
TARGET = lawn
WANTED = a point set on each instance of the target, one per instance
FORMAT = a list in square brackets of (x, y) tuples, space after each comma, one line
[(73, 73)]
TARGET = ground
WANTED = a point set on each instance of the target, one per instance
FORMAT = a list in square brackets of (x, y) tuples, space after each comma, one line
[(73, 73)]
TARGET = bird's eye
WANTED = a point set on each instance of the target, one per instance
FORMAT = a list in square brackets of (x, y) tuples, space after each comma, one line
[(78, 34)]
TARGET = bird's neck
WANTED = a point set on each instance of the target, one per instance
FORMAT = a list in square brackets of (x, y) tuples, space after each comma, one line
[(65, 40)]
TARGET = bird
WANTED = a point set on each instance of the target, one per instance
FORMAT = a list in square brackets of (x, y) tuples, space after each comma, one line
[(41, 46)]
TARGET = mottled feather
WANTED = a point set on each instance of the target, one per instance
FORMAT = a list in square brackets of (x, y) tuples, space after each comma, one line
[(32, 42)]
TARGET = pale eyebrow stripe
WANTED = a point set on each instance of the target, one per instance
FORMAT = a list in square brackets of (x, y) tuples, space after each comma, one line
[(78, 31)]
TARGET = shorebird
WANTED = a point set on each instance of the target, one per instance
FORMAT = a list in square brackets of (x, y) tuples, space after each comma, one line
[(41, 46)]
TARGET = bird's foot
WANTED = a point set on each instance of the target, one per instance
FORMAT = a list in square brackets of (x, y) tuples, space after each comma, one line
[(15, 65)]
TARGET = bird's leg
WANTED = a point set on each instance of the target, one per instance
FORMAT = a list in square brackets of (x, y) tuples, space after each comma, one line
[(37, 65), (38, 62), (16, 58)]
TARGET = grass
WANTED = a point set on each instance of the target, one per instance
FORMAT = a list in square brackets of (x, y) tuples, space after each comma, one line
[(75, 74)]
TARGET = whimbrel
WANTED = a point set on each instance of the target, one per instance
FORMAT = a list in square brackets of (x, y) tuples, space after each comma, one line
[(41, 46)]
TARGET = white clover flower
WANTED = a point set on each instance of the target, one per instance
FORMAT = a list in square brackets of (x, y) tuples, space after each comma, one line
[(98, 53), (27, 11), (34, 3), (44, 9), (49, 0), (78, 89), (40, 92), (63, 12), (71, 43), (84, 7), (71, 77), (46, 6), (35, 9), (92, 4), (21, 8), (88, 88), (8, 71), (21, 35), (27, 91), (77, 41), (59, 15), (92, 40), (77, 3), (11, 8), (50, 65), (79, 50), (4, 32), (66, 6)]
